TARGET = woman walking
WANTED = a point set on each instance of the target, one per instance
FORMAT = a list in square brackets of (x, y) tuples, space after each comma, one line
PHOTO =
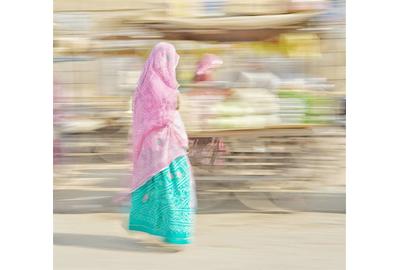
[(162, 194)]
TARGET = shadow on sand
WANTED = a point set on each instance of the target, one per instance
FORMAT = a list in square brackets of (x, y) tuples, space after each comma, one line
[(107, 242)]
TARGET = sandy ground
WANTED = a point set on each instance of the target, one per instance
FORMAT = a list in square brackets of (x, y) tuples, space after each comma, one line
[(222, 241)]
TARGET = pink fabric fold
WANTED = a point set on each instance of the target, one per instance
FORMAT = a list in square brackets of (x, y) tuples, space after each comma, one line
[(158, 131)]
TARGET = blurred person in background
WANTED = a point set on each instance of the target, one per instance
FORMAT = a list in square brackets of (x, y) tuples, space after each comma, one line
[(162, 191), (204, 73), (205, 67)]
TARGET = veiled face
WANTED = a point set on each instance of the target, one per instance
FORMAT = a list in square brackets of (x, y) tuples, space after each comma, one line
[(176, 60), (164, 60)]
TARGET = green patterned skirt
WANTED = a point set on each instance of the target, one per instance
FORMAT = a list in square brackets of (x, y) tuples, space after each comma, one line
[(164, 205)]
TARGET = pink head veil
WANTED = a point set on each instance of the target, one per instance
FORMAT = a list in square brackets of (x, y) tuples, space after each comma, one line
[(208, 62), (161, 63), (158, 132)]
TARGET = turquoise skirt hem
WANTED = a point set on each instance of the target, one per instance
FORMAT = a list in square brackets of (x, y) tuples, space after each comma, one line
[(170, 240), (163, 206)]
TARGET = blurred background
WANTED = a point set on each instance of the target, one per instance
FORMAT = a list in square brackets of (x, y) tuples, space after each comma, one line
[(263, 101)]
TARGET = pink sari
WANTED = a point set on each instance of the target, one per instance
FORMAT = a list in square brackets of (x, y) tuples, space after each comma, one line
[(159, 135)]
